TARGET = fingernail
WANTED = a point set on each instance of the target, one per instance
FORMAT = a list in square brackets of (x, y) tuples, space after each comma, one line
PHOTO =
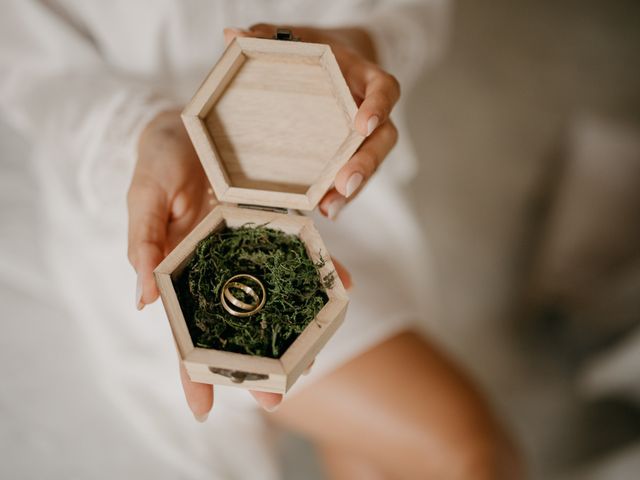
[(335, 207), (139, 304), (271, 408), (355, 180), (350, 287), (202, 417), (307, 370), (372, 124), (238, 31)]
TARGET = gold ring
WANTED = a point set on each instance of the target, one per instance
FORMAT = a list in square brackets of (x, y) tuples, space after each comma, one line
[(239, 303), (243, 309)]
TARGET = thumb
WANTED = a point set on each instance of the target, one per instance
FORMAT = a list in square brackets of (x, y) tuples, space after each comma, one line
[(267, 400), (343, 273), (199, 395), (148, 218)]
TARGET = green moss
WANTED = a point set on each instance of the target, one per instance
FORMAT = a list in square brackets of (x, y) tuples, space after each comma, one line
[(295, 291)]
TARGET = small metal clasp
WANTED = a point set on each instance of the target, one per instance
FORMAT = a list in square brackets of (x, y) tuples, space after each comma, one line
[(285, 34), (237, 376)]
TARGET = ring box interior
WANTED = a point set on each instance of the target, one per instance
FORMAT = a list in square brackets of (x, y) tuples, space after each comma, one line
[(272, 124)]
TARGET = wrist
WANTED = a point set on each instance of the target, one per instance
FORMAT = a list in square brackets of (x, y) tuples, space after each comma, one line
[(164, 131)]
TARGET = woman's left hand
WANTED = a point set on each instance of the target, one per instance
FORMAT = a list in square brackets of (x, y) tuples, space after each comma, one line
[(375, 92)]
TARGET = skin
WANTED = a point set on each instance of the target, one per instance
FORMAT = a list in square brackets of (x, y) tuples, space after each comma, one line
[(401, 410)]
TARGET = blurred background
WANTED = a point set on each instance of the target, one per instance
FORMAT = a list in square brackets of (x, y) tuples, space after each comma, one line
[(529, 137)]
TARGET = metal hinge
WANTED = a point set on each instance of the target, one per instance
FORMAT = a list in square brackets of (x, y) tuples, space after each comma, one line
[(237, 376), (263, 208)]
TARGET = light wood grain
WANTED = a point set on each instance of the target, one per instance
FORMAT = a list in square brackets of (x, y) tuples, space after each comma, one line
[(219, 77), (173, 261), (179, 328), (272, 384), (234, 361), (206, 149), (309, 343), (273, 123), (282, 372), (199, 360)]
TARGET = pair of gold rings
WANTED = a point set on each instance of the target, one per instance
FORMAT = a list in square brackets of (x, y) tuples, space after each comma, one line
[(243, 308)]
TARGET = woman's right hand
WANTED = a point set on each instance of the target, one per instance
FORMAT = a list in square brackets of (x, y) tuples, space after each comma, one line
[(168, 196)]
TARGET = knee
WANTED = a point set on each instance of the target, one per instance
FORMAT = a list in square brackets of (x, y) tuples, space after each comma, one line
[(485, 455), (481, 459)]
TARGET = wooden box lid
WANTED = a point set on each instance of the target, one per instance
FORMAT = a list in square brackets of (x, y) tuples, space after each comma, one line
[(273, 123)]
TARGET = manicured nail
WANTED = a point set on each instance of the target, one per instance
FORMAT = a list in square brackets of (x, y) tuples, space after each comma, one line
[(202, 417), (372, 124), (238, 31), (350, 287), (271, 408), (335, 207), (139, 304), (355, 180), (307, 370)]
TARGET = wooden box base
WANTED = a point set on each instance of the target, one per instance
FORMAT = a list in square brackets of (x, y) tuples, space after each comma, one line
[(246, 371)]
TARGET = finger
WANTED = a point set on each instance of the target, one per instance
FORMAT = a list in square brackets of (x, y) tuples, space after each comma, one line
[(307, 370), (199, 395), (363, 164), (267, 400), (263, 30), (231, 33), (343, 273), (380, 93), (148, 217), (188, 208), (332, 204)]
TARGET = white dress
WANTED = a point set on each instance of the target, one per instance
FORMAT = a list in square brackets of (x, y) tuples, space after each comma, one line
[(79, 80)]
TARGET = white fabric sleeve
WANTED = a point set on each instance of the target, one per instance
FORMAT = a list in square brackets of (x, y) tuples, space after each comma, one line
[(57, 90), (409, 35)]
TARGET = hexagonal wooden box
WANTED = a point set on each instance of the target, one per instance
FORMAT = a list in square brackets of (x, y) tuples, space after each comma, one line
[(272, 124)]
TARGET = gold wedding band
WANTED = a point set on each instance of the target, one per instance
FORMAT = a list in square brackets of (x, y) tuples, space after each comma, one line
[(239, 303), (242, 308)]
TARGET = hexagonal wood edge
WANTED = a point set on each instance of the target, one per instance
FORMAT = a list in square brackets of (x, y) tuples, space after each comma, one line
[(282, 372), (309, 343), (213, 87)]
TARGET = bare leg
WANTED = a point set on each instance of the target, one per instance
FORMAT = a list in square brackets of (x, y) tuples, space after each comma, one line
[(404, 410), (342, 465)]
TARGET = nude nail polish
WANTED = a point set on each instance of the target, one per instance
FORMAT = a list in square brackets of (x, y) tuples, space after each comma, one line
[(335, 207), (354, 182), (372, 124), (139, 304), (202, 417)]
